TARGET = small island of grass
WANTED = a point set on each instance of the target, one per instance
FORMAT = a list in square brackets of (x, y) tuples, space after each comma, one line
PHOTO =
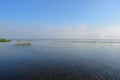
[(4, 40), (23, 43)]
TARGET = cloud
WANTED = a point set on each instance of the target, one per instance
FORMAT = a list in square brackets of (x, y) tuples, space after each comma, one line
[(82, 31)]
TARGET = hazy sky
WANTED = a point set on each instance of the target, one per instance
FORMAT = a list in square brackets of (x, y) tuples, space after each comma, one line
[(73, 19)]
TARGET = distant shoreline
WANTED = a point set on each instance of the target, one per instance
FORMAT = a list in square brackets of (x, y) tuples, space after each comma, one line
[(74, 40)]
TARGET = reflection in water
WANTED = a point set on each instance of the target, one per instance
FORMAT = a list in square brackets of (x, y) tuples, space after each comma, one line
[(54, 60)]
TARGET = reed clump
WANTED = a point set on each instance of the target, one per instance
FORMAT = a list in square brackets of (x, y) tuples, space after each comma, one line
[(24, 43), (4, 40)]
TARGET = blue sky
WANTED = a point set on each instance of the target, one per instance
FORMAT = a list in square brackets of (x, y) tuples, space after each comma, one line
[(59, 18)]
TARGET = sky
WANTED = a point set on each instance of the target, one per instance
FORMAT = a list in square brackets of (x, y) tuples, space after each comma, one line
[(60, 19)]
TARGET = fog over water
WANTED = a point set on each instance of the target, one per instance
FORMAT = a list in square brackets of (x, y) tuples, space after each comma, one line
[(78, 31)]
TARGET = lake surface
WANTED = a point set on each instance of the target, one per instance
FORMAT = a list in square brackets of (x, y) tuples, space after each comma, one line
[(61, 60)]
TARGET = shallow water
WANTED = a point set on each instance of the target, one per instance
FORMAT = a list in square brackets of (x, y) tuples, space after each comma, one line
[(60, 60)]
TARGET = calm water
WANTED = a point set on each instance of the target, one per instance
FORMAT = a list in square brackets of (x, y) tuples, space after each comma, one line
[(60, 60)]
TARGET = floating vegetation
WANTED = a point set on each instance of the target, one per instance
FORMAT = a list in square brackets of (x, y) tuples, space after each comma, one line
[(23, 43), (4, 40)]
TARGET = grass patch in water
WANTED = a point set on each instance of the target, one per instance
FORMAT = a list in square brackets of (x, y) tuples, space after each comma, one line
[(26, 43), (4, 40)]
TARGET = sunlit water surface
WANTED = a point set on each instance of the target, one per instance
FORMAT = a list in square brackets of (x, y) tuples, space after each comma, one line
[(60, 60)]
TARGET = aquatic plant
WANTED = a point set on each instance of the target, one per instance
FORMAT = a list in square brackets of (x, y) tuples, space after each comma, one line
[(4, 40), (26, 43)]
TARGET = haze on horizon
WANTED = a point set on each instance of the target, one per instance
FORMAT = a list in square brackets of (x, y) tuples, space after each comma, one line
[(60, 19)]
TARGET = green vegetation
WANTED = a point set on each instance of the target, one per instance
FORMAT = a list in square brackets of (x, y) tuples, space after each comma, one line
[(26, 43), (4, 40)]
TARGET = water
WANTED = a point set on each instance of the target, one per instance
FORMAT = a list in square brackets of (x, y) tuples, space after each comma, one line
[(61, 60)]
